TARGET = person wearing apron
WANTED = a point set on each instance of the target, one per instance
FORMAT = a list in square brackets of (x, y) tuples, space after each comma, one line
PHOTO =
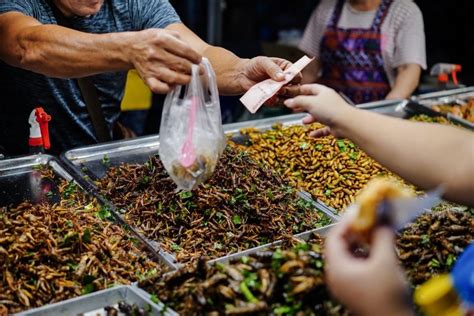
[(367, 54)]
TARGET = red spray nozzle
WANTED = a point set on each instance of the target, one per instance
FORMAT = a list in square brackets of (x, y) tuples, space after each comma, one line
[(43, 119), (39, 130), (443, 70)]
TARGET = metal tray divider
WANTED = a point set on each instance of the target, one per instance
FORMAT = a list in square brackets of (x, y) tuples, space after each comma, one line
[(286, 120), (167, 258), (420, 103), (442, 94), (302, 236), (98, 300), (74, 158)]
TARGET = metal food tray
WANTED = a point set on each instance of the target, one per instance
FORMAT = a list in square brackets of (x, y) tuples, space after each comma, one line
[(265, 124), (303, 237), (21, 181), (93, 304), (395, 108), (233, 132), (87, 165), (423, 104), (388, 107), (323, 231)]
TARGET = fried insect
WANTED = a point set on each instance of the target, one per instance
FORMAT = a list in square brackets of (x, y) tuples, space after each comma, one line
[(432, 244), (53, 252), (332, 170), (279, 282), (431, 119), (241, 206)]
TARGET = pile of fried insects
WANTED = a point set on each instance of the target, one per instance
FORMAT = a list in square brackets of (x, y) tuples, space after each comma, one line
[(241, 206), (432, 244), (289, 279), (50, 252), (332, 170), (278, 282)]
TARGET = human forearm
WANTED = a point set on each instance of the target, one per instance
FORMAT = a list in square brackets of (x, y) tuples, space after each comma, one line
[(408, 77), (161, 58), (229, 70), (424, 154), (60, 52)]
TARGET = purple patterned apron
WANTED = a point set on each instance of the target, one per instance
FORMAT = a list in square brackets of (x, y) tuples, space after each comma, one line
[(352, 60)]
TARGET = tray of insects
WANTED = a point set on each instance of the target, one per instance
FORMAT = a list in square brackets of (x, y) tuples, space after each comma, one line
[(59, 242)]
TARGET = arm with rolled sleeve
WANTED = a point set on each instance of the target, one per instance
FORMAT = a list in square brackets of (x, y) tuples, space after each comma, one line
[(410, 55)]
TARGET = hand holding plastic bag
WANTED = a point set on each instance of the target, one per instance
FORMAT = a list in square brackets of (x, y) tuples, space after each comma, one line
[(191, 134)]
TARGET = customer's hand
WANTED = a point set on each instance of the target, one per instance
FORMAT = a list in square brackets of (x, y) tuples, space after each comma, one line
[(368, 286), (323, 105), (162, 59), (258, 69)]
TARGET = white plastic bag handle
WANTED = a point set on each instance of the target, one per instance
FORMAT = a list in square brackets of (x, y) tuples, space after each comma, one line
[(211, 79)]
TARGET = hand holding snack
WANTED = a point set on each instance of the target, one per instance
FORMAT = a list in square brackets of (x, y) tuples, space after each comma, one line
[(377, 284), (360, 252)]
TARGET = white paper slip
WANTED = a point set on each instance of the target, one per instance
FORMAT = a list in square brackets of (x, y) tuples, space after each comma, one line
[(263, 91)]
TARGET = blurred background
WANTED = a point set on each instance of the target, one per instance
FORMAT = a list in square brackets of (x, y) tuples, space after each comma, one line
[(273, 27)]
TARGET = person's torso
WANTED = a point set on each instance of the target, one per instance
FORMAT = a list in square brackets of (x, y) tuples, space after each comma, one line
[(21, 91), (351, 58), (351, 18)]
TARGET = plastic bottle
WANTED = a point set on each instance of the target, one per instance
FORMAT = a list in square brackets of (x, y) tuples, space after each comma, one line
[(442, 71)]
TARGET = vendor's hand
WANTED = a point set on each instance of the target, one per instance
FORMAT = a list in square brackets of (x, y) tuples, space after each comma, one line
[(258, 69), (323, 104), (162, 59), (369, 286)]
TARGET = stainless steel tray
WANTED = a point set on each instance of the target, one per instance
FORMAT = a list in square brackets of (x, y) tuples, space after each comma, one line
[(93, 304), (21, 181), (303, 236), (387, 107), (87, 165), (423, 103), (233, 131), (443, 94), (394, 108), (88, 161), (263, 124)]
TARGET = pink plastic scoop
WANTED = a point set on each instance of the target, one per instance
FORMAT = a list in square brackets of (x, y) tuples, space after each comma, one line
[(188, 153)]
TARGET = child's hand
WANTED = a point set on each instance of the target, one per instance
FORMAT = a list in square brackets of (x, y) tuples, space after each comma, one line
[(323, 104)]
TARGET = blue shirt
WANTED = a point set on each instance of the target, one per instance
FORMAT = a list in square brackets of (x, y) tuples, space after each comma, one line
[(21, 90)]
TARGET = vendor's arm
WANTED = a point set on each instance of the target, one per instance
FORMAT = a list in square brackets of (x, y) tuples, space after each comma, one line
[(410, 54), (424, 154), (160, 56), (406, 82)]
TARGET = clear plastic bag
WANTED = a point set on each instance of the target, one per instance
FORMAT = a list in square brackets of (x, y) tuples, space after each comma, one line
[(191, 134)]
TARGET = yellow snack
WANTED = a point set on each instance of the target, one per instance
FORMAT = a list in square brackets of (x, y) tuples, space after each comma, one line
[(376, 191)]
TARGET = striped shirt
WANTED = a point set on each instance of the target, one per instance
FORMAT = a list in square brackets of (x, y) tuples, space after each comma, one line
[(403, 36)]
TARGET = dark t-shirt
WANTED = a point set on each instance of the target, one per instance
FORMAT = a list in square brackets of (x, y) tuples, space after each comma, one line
[(21, 91)]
